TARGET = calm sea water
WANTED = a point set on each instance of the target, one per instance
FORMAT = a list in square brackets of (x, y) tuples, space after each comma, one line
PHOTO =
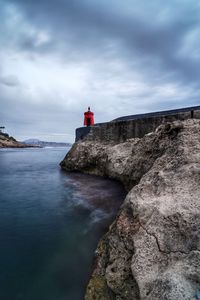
[(50, 223)]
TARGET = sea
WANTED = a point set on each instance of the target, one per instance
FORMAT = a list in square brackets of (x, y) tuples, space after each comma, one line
[(50, 224)]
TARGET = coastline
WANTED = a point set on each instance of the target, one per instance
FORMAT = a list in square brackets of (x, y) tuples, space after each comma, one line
[(9, 142), (15, 146), (145, 245), (50, 224)]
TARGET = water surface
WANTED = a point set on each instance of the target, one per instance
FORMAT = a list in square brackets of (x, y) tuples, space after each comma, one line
[(50, 223)]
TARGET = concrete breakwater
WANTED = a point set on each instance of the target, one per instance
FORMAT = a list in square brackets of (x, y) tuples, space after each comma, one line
[(134, 126)]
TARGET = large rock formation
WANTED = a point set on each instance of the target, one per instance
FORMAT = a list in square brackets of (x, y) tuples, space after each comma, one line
[(152, 250)]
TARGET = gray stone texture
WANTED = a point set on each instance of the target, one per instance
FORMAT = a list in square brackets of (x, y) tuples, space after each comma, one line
[(152, 250)]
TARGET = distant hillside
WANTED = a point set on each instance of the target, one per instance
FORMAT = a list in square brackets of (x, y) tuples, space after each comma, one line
[(39, 143)]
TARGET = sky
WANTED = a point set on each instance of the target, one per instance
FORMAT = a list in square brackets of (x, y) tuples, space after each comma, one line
[(120, 57)]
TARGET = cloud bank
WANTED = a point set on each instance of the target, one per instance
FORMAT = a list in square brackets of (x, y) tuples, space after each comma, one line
[(58, 57)]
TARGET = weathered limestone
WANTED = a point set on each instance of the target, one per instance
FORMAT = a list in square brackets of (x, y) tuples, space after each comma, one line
[(152, 249)]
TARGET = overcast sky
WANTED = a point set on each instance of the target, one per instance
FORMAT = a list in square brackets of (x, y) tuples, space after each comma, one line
[(118, 56)]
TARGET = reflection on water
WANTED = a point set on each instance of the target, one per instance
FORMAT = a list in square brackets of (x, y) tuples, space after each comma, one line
[(50, 223)]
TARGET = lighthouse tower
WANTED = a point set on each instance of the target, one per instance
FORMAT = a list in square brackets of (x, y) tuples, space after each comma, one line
[(88, 118)]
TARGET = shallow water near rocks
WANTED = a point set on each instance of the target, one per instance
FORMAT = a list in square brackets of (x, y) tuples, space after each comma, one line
[(50, 224)]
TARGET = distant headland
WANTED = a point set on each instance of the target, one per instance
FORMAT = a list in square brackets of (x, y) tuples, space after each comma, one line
[(42, 144), (7, 141)]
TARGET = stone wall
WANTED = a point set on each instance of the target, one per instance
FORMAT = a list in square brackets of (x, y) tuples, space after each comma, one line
[(124, 128)]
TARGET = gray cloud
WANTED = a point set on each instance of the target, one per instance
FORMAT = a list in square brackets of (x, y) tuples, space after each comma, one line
[(93, 28), (10, 80), (128, 57)]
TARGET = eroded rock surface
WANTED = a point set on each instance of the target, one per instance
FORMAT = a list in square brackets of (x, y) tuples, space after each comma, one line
[(152, 250)]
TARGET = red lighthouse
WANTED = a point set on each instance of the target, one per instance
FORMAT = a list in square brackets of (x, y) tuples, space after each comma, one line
[(88, 118)]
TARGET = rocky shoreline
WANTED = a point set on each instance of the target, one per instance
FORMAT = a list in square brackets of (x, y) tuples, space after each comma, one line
[(7, 141), (152, 249)]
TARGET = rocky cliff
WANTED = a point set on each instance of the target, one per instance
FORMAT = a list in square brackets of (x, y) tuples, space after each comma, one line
[(7, 141), (152, 249)]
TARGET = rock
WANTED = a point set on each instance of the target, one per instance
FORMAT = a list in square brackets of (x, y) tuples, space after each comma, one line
[(7, 141), (152, 249)]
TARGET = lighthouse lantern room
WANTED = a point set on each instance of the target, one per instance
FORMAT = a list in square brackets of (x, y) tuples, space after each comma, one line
[(88, 118)]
